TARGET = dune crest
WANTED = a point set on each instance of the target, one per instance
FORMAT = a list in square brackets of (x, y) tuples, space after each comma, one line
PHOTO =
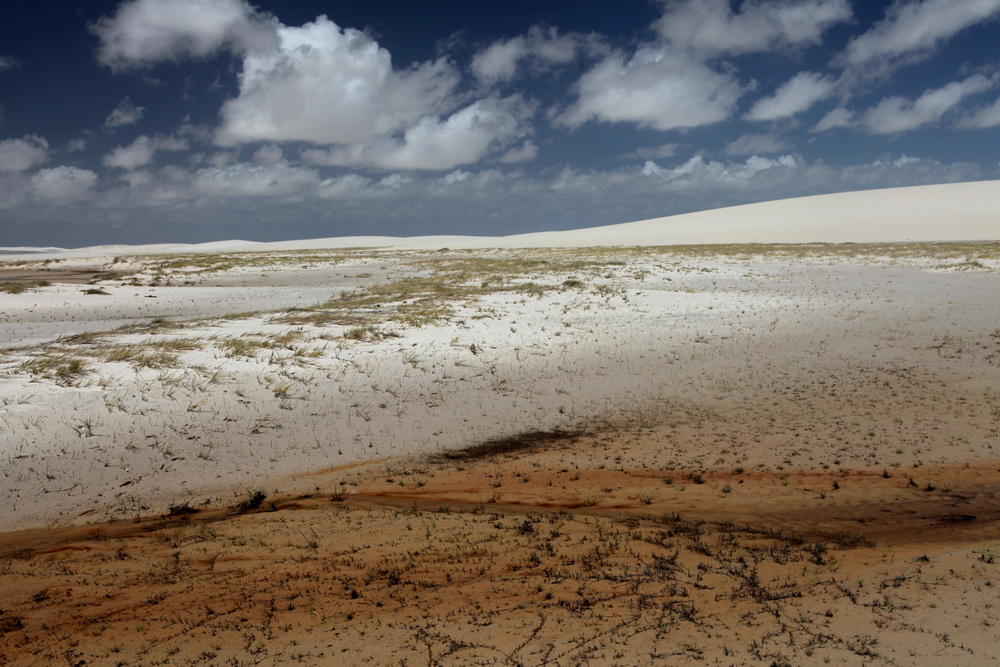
[(947, 212)]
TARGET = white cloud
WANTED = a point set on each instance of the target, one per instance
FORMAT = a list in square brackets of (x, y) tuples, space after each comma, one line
[(76, 145), (988, 117), (142, 151), (323, 85), (653, 152), (137, 154), (330, 86), (526, 152), (839, 117), (710, 27), (268, 155), (750, 144), (343, 187), (63, 184), (655, 88), (457, 176), (22, 154), (794, 96), (432, 143), (898, 114), (9, 63), (247, 180), (911, 31), (221, 159), (698, 173), (500, 61), (393, 181), (126, 113), (144, 32)]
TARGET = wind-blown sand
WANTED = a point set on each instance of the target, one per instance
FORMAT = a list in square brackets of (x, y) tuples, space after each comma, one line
[(532, 450)]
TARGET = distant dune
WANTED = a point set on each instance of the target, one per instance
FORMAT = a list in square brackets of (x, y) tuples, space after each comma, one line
[(949, 212)]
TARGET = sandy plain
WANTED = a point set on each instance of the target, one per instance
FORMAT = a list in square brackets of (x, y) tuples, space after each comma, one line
[(640, 454)]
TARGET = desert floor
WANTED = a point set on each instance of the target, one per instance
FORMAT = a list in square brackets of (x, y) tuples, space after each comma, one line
[(739, 454)]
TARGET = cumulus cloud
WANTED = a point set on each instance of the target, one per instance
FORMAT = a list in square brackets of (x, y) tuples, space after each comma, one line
[(839, 117), (126, 113), (794, 96), (701, 173), (393, 181), (142, 151), (268, 155), (526, 152), (63, 184), (750, 144), (542, 47), (321, 84), (22, 154), (988, 117), (912, 31), (249, 180), (898, 114), (330, 86), (145, 32), (711, 27), (654, 88), (434, 143), (139, 153)]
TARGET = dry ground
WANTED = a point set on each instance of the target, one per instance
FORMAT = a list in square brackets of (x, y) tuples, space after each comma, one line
[(547, 548), (817, 484)]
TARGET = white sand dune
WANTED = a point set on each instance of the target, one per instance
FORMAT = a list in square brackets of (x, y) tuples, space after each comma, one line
[(948, 212), (952, 212)]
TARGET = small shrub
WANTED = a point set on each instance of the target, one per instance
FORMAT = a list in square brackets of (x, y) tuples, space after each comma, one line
[(253, 500), (181, 509)]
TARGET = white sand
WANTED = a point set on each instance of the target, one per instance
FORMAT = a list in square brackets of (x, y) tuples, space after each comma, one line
[(666, 329), (948, 212)]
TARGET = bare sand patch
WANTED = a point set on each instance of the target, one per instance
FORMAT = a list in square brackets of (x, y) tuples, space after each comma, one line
[(506, 559), (66, 276)]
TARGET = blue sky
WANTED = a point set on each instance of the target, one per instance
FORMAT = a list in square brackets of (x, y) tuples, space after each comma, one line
[(195, 120)]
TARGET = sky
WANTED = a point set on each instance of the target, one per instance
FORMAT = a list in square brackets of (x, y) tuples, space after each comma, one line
[(150, 121)]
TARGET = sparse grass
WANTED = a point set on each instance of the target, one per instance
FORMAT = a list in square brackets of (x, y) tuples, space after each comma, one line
[(246, 346), (111, 276), (60, 368), (21, 286), (446, 283), (139, 356), (368, 334), (253, 499), (181, 509), (174, 344)]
